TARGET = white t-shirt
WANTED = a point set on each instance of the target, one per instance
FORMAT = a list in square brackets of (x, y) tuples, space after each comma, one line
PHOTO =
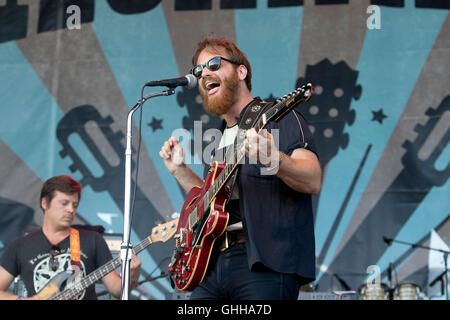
[(227, 141)]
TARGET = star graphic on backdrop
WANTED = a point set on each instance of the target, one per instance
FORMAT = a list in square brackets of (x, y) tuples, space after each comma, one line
[(155, 124), (378, 116)]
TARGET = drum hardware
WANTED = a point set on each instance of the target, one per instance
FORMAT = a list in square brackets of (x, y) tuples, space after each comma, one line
[(373, 291), (443, 279), (445, 253), (407, 290)]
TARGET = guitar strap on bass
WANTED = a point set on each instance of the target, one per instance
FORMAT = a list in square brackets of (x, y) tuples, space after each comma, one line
[(75, 252)]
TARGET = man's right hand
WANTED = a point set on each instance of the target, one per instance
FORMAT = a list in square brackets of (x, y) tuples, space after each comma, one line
[(173, 154)]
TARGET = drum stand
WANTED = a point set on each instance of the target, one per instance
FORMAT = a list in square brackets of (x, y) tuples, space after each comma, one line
[(391, 288), (443, 276)]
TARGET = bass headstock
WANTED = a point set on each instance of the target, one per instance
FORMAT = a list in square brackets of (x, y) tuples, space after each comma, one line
[(164, 232)]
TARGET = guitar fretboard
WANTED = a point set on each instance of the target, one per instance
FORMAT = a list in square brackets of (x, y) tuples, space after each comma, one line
[(93, 277)]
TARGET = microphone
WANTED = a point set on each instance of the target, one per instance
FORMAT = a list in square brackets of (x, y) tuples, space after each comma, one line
[(387, 241), (188, 80)]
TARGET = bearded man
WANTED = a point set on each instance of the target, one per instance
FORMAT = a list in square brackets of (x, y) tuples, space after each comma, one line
[(267, 251)]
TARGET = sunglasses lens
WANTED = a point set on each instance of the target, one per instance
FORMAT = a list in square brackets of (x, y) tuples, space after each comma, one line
[(197, 71), (213, 64), (54, 250), (53, 262)]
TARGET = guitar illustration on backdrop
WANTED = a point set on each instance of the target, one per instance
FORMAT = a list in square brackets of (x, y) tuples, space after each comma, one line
[(330, 112), (202, 218), (67, 286), (106, 172)]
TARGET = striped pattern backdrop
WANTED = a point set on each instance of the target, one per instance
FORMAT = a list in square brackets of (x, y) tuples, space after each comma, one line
[(380, 116)]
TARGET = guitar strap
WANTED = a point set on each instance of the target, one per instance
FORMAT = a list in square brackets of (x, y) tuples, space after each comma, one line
[(248, 120), (75, 252)]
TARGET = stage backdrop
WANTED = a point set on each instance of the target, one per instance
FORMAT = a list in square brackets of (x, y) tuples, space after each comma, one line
[(70, 71)]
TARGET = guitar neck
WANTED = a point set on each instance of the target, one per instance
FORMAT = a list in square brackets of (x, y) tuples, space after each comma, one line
[(98, 274), (280, 108), (220, 181), (231, 168)]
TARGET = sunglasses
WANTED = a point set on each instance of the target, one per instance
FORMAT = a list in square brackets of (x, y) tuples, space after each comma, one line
[(212, 64), (54, 262)]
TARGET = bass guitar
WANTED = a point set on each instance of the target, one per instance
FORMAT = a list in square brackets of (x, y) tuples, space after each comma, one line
[(203, 217), (64, 287)]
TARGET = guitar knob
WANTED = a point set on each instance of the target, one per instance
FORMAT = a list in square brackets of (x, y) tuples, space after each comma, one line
[(181, 282), (182, 262), (178, 276), (188, 268)]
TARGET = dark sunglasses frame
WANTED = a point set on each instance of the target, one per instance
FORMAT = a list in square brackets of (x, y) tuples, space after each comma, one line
[(198, 70), (54, 262)]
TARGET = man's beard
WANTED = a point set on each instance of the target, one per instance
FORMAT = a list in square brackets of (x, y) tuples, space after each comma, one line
[(220, 103)]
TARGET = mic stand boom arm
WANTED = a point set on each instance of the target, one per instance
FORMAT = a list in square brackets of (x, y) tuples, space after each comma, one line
[(126, 248)]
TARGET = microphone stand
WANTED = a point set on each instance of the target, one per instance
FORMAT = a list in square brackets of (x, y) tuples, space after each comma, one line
[(126, 247), (391, 288), (445, 253), (443, 276)]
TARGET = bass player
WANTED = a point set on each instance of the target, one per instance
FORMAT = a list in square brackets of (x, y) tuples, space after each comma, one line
[(40, 256)]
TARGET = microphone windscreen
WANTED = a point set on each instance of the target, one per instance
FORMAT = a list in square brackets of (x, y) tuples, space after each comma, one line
[(192, 81)]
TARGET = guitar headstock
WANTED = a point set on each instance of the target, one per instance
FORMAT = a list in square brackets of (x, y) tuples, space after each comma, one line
[(287, 103), (164, 232)]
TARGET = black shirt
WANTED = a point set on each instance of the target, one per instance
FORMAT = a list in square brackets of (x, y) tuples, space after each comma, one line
[(29, 255), (278, 221)]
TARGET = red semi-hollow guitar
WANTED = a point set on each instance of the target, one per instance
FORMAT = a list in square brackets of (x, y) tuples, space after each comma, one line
[(203, 217)]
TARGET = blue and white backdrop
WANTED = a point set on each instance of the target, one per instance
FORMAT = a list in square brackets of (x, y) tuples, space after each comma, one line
[(71, 69)]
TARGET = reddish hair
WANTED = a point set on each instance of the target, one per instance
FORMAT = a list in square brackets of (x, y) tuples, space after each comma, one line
[(215, 44), (64, 183)]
